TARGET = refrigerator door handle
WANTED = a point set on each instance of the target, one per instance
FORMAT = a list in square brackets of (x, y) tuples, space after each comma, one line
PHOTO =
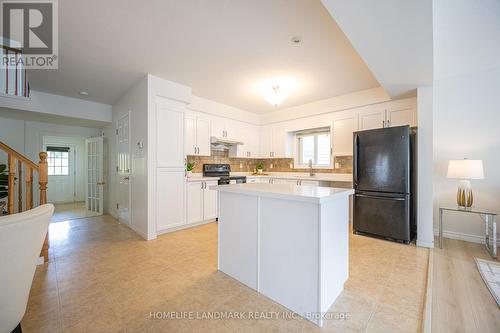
[(380, 197), (355, 161)]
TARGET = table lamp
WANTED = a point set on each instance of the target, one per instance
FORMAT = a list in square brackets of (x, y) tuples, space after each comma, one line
[(465, 170)]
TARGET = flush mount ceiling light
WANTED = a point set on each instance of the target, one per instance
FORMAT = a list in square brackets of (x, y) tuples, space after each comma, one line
[(276, 96), (296, 40)]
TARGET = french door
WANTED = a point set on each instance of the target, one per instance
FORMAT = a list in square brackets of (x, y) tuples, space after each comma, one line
[(94, 177)]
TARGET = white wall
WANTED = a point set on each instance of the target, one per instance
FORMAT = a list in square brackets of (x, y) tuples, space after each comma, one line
[(222, 110), (466, 104), (425, 187), (135, 102), (338, 103), (57, 105)]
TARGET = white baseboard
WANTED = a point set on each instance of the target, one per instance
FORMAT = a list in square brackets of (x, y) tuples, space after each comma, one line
[(461, 236), (429, 245), (183, 226), (136, 230)]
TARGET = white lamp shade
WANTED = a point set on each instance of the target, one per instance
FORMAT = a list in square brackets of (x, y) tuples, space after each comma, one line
[(465, 169)]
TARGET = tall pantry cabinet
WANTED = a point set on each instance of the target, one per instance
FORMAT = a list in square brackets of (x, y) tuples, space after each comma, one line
[(170, 158)]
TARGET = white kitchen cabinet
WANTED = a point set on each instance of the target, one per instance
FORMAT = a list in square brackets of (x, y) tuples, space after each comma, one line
[(279, 142), (249, 135), (218, 128), (373, 118), (388, 115), (266, 145), (194, 201), (273, 142), (342, 134), (197, 128), (170, 196), (201, 202), (170, 131), (401, 116), (226, 128), (209, 201)]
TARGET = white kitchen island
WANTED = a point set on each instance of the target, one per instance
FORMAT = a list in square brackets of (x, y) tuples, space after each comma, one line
[(288, 242)]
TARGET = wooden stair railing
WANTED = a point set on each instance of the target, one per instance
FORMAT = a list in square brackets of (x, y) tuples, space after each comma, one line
[(16, 161)]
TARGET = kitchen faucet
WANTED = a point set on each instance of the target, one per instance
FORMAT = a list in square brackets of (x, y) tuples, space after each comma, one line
[(311, 171)]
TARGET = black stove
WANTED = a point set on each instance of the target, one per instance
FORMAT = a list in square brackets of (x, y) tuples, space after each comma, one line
[(222, 171)]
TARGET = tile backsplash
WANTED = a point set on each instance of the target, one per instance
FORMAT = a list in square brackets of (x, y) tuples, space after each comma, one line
[(248, 164)]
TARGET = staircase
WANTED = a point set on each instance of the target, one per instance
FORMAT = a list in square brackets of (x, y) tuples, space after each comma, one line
[(22, 169), (13, 74)]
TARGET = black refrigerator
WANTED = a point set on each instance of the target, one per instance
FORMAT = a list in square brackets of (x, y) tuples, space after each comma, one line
[(384, 180)]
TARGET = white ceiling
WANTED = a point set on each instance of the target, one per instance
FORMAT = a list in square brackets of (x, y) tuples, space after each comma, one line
[(393, 37), (223, 49)]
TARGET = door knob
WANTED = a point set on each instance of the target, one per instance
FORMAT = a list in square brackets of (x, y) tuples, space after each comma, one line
[(101, 183)]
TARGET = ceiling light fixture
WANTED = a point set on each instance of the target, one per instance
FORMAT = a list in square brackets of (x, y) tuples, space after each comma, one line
[(296, 40), (83, 93), (276, 96)]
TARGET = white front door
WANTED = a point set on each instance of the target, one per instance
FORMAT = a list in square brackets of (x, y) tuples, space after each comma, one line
[(94, 176), (123, 170), (61, 169)]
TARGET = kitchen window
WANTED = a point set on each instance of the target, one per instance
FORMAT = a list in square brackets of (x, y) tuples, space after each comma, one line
[(58, 161), (315, 146)]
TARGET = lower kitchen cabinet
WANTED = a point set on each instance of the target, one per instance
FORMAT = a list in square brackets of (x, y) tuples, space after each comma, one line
[(201, 202), (209, 201), (170, 198), (194, 201)]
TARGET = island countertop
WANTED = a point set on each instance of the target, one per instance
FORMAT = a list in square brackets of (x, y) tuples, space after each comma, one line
[(312, 194)]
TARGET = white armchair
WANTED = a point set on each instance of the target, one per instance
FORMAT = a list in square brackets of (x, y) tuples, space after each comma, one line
[(21, 239)]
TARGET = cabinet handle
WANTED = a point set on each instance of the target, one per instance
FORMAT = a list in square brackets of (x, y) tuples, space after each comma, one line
[(388, 123), (383, 123)]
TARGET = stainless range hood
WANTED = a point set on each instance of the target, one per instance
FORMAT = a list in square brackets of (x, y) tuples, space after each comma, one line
[(224, 142)]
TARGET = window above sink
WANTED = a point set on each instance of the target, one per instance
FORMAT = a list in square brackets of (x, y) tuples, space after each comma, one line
[(315, 146)]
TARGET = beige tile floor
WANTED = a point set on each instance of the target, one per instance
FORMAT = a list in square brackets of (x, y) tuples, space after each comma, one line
[(103, 278), (69, 211)]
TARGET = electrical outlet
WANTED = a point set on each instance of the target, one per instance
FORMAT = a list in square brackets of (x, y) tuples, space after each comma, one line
[(271, 166)]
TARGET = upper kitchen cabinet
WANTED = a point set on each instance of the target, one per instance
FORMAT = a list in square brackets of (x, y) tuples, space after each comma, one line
[(401, 115), (224, 128), (274, 142), (395, 113), (342, 133), (170, 130), (249, 136), (372, 118), (197, 127)]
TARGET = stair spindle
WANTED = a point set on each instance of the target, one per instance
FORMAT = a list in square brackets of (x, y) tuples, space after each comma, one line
[(11, 182), (19, 186), (29, 188)]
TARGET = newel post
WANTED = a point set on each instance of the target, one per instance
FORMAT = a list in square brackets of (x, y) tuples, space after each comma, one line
[(43, 177)]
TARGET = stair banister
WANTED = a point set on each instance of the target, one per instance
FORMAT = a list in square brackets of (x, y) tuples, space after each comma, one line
[(16, 169)]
